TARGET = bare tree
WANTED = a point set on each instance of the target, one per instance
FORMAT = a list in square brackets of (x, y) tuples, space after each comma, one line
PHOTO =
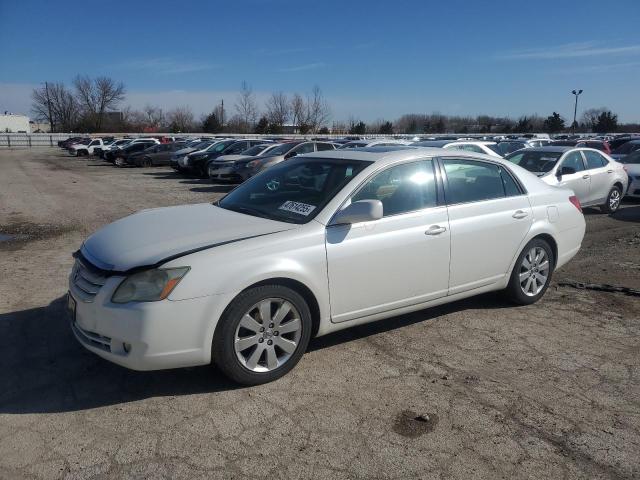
[(277, 109), (154, 116), (590, 116), (57, 105), (298, 110), (318, 110), (181, 119), (97, 97), (246, 108)]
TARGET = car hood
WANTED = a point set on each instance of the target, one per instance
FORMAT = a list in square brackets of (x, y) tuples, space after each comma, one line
[(155, 236), (184, 151)]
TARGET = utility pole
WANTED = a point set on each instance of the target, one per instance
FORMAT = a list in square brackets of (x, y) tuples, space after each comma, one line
[(222, 113), (46, 88), (575, 109)]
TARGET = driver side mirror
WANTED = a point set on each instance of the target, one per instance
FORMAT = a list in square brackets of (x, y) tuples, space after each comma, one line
[(360, 211), (565, 171)]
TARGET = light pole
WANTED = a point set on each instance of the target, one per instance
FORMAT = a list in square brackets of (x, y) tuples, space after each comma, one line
[(575, 109)]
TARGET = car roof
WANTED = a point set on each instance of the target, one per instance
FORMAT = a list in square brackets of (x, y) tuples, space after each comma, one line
[(552, 149)]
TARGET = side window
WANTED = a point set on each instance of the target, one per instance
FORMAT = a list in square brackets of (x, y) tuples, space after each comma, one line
[(324, 146), (401, 189), (472, 181), (573, 160), (594, 159), (511, 188), (95, 142), (304, 148)]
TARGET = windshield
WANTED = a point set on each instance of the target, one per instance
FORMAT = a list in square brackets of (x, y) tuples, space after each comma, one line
[(632, 159), (254, 150), (535, 161), (293, 191), (626, 148), (282, 149), (354, 145), (494, 147)]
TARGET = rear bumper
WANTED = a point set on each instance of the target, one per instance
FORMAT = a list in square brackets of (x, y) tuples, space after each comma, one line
[(633, 190)]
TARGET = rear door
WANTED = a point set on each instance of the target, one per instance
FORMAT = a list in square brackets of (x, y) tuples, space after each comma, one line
[(489, 218), (579, 182), (601, 180)]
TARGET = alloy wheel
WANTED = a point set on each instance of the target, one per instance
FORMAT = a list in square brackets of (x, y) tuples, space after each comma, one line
[(614, 200), (268, 335), (534, 271)]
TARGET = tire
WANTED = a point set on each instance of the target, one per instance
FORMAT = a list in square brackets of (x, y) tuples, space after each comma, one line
[(146, 162), (202, 170), (118, 162), (613, 200), (260, 358), (524, 285)]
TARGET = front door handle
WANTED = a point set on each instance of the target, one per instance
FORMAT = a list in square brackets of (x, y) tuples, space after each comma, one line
[(585, 176), (520, 214), (609, 171), (435, 230)]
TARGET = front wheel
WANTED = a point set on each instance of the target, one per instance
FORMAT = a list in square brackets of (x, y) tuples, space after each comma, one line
[(146, 162), (532, 272), (262, 335), (613, 200)]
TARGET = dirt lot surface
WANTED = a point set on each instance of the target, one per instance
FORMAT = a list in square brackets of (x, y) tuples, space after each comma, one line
[(475, 389)]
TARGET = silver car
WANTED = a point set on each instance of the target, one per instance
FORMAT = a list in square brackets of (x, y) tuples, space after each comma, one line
[(596, 179)]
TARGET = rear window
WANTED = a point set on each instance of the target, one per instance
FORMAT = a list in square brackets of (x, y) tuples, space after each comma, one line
[(538, 162)]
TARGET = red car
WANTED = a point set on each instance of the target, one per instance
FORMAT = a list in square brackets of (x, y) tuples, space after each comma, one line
[(601, 145)]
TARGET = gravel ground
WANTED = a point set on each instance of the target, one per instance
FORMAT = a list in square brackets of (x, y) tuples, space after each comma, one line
[(475, 389)]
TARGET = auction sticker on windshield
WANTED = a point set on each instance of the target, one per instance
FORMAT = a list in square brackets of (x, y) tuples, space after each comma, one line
[(297, 207)]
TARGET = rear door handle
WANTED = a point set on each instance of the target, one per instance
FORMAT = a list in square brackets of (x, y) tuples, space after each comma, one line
[(609, 171), (520, 214), (435, 230), (585, 176)]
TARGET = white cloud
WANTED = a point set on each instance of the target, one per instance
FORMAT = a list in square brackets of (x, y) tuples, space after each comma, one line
[(568, 50), (301, 68), (166, 65)]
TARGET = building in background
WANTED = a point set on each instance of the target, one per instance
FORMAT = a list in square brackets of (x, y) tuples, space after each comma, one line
[(14, 123)]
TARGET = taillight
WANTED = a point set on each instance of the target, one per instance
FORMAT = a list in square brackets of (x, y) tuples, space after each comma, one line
[(576, 203), (624, 167)]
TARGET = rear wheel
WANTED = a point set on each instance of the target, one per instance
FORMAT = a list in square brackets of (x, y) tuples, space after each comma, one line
[(613, 200), (532, 272), (146, 162), (262, 335)]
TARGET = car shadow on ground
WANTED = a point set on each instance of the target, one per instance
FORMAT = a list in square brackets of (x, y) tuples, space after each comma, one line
[(45, 370), (213, 189), (628, 214)]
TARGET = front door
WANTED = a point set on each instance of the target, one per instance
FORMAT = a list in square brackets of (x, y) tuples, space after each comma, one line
[(397, 261)]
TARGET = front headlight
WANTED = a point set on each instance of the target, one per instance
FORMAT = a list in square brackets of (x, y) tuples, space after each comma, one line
[(149, 285), (254, 164)]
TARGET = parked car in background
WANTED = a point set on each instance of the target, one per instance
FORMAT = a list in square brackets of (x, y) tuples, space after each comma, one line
[(101, 152), (626, 148), (631, 164), (197, 162), (69, 141), (245, 169), (488, 148), (121, 155), (601, 145), (86, 147), (194, 146), (508, 146), (596, 179), (373, 143), (620, 140), (311, 246), (224, 167), (154, 155)]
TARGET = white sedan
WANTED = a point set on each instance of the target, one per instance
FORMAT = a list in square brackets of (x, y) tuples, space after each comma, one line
[(473, 146), (315, 244)]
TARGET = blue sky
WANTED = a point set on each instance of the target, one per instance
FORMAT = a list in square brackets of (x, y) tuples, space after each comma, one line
[(372, 60)]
